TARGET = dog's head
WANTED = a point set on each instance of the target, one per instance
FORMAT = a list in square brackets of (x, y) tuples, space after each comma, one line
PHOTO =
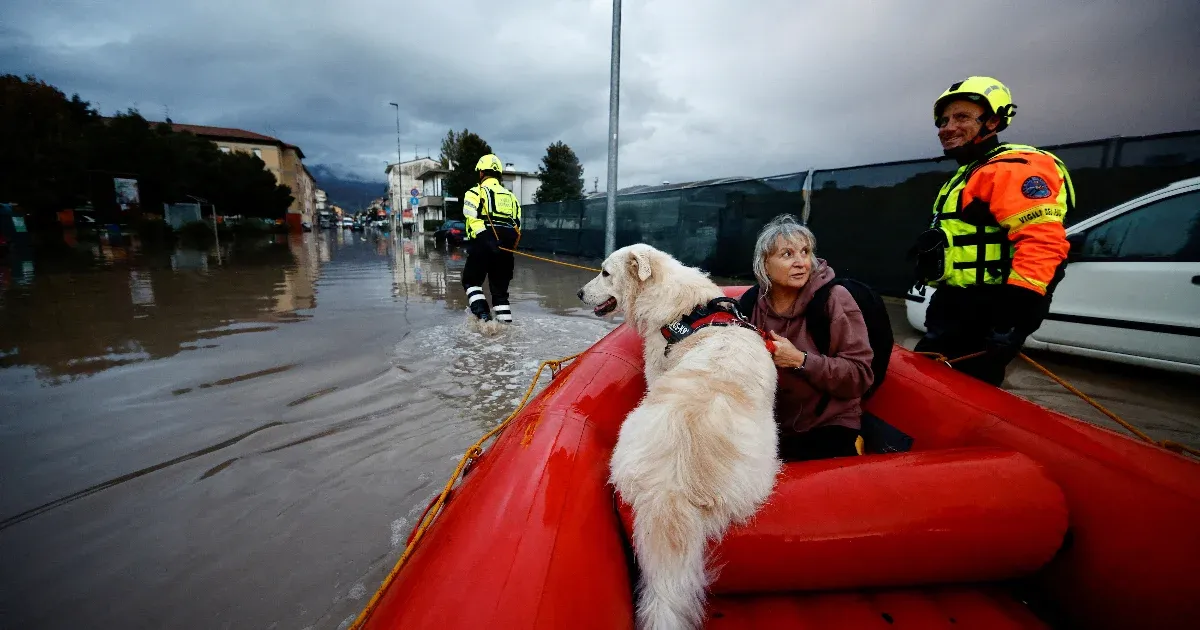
[(623, 275)]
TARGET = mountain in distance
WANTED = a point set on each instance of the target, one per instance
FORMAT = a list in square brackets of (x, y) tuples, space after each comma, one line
[(347, 191)]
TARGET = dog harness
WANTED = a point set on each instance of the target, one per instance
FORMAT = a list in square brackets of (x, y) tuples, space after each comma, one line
[(720, 311)]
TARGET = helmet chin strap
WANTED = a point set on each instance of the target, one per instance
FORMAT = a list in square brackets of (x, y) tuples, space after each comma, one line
[(974, 148)]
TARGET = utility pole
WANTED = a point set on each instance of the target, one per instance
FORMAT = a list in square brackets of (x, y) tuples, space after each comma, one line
[(399, 175), (614, 101)]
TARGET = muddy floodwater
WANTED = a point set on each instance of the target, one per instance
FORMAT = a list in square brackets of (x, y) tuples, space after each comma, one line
[(187, 442)]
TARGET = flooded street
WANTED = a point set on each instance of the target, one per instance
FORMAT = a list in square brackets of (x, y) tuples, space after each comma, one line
[(246, 444), (243, 445)]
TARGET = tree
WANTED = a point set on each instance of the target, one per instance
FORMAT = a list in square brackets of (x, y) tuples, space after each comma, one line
[(460, 152), (60, 153), (449, 153), (42, 151), (561, 175)]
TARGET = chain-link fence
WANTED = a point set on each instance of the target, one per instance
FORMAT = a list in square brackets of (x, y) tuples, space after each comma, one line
[(864, 217)]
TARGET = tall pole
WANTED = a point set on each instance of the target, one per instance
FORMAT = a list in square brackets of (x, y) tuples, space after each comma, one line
[(216, 237), (397, 194), (614, 102)]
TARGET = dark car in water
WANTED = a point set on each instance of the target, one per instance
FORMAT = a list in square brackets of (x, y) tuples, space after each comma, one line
[(451, 232)]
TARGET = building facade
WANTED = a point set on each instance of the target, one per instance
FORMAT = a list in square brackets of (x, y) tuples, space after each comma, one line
[(283, 160), (402, 178), (434, 196), (297, 177)]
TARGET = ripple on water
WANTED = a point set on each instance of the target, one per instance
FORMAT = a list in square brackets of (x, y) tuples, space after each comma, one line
[(484, 377), (481, 378)]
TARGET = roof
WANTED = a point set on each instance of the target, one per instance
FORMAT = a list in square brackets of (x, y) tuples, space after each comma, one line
[(642, 189), (433, 171), (445, 171), (228, 133), (392, 165), (239, 135)]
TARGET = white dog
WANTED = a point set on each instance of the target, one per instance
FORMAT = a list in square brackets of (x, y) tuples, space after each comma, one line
[(699, 452)]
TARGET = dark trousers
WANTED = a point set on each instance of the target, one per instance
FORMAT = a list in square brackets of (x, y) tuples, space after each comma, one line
[(959, 321), (485, 259), (819, 443)]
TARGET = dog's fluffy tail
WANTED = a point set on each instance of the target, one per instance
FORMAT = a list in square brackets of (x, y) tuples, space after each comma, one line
[(670, 543)]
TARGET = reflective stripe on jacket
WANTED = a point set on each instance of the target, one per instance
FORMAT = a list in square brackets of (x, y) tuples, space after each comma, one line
[(490, 203), (1010, 204)]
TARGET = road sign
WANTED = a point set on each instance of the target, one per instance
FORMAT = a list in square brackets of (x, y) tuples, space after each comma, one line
[(414, 193), (413, 201)]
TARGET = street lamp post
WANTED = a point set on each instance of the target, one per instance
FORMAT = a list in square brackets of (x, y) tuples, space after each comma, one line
[(614, 101), (399, 180)]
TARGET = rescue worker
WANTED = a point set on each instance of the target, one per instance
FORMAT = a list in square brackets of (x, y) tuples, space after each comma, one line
[(493, 218), (996, 247)]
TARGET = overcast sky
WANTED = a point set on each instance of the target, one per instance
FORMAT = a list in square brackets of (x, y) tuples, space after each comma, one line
[(778, 86)]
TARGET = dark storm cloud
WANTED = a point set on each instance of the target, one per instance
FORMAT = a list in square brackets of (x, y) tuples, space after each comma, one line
[(707, 91)]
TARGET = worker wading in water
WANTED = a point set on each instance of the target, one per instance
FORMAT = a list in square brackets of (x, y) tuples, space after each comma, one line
[(493, 218)]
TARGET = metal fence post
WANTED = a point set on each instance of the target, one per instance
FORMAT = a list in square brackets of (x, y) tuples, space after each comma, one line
[(806, 191)]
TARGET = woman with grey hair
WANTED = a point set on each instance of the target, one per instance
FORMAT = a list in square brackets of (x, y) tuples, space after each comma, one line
[(818, 399)]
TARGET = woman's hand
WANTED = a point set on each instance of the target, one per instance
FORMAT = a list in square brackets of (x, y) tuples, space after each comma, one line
[(786, 355)]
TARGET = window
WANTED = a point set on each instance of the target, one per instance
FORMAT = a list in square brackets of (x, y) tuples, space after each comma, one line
[(258, 153), (224, 149), (1166, 230)]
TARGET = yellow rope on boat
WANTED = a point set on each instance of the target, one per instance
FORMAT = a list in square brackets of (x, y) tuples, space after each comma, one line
[(550, 260), (1170, 445), (431, 512)]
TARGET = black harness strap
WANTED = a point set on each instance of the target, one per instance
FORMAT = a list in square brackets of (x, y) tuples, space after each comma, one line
[(705, 316)]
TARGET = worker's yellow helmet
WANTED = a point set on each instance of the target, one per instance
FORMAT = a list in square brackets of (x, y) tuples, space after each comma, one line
[(489, 162), (986, 91)]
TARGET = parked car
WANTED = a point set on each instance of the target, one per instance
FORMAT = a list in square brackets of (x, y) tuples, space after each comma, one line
[(1131, 292), (347, 223), (452, 232)]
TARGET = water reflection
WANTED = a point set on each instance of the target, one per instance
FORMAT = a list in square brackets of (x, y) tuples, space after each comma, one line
[(89, 307), (111, 304)]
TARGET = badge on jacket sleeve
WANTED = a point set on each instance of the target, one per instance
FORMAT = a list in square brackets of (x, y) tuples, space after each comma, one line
[(1035, 187)]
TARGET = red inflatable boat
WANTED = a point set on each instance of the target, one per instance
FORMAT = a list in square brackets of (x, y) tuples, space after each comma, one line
[(1001, 515)]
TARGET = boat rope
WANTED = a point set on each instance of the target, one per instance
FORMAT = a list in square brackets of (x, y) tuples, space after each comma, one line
[(937, 356), (435, 506), (550, 260), (1170, 445), (496, 234)]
